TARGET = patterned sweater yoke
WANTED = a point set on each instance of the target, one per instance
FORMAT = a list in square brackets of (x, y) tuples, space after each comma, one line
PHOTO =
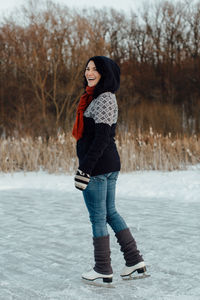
[(103, 109)]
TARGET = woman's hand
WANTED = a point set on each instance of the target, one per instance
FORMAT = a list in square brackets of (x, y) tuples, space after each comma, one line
[(81, 180)]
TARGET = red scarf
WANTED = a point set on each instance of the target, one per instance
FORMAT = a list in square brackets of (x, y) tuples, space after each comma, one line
[(85, 100)]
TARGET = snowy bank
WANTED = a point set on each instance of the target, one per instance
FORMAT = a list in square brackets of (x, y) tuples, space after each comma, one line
[(182, 185)]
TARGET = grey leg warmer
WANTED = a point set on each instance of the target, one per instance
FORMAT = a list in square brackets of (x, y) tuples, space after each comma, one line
[(102, 255), (128, 247)]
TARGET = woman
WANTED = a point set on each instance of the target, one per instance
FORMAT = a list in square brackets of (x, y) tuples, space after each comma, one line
[(99, 165)]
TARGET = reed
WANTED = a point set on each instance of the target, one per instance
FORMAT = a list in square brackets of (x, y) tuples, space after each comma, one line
[(141, 151), (154, 151)]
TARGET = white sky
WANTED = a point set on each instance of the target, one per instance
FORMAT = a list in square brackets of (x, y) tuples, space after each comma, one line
[(6, 6)]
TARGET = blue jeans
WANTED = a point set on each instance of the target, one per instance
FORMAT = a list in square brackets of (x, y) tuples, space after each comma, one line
[(99, 197)]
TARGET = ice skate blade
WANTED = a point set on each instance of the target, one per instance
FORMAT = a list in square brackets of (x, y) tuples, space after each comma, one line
[(98, 283), (132, 277)]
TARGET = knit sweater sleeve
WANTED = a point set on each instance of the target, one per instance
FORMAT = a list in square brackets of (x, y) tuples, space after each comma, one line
[(104, 115)]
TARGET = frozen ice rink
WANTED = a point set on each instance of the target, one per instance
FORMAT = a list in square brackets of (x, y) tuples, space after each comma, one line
[(46, 242)]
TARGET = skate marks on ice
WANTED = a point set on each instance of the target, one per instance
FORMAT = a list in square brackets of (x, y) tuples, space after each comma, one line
[(45, 240)]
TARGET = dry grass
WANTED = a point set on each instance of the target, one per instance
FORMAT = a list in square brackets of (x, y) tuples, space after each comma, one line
[(34, 154), (157, 152), (150, 151)]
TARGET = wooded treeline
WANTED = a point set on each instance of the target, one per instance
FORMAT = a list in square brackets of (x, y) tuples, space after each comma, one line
[(43, 55)]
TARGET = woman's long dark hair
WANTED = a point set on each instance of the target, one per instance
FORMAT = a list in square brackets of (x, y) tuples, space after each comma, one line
[(110, 75)]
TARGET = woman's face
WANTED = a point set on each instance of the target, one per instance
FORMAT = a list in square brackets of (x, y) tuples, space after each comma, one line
[(91, 74)]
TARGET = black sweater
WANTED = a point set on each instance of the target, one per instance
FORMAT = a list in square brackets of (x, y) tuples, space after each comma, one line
[(96, 149)]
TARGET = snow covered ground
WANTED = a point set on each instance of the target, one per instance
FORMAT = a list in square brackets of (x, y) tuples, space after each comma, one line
[(45, 237)]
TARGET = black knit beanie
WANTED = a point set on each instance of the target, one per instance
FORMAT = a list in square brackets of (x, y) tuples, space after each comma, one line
[(110, 75)]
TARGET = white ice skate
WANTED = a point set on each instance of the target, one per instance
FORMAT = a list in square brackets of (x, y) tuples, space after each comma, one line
[(127, 272), (94, 278)]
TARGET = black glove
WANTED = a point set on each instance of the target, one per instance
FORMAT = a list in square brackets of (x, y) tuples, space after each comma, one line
[(81, 180)]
